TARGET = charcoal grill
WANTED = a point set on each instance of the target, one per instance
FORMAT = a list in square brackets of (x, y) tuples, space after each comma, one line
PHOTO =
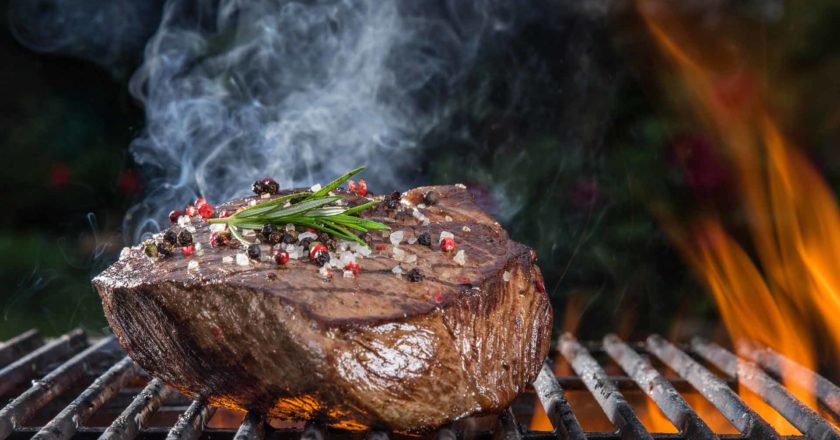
[(75, 387)]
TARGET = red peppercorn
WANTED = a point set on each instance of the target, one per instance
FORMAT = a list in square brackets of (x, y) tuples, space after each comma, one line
[(360, 189), (380, 247), (312, 230), (353, 267), (447, 244), (175, 214), (200, 201), (281, 257), (206, 210), (315, 249), (220, 239), (438, 297), (191, 211), (188, 250)]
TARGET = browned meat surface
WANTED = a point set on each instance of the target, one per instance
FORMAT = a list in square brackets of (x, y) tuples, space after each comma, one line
[(372, 350)]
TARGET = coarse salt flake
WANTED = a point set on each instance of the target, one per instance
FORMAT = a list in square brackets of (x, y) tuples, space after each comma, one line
[(399, 254), (192, 266), (325, 271), (227, 260), (184, 220), (446, 234), (460, 186), (460, 258), (397, 270), (306, 235), (396, 237), (315, 188), (410, 258), (125, 253), (506, 276), (412, 240), (252, 203), (466, 229), (217, 227), (348, 274), (242, 260), (448, 218), (265, 196)]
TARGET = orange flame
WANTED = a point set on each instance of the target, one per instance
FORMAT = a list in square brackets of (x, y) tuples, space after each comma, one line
[(788, 296)]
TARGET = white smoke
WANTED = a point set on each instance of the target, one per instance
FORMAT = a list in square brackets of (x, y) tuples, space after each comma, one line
[(297, 90)]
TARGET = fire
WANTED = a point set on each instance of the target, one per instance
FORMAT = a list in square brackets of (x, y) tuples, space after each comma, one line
[(784, 290)]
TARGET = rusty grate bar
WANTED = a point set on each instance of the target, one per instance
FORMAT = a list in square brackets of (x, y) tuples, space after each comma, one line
[(739, 414), (605, 392), (67, 422), (192, 422), (826, 392), (127, 426), (557, 408), (25, 368), (798, 414), (19, 345), (659, 389), (50, 386)]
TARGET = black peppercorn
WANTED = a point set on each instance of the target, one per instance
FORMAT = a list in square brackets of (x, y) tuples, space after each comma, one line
[(254, 252), (275, 237), (392, 201), (322, 258), (431, 197), (265, 186), (414, 275), (425, 239), (267, 230), (258, 187), (165, 249), (290, 237), (171, 236), (305, 243), (185, 238)]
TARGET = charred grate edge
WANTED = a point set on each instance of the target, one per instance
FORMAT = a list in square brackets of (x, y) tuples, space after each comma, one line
[(69, 358)]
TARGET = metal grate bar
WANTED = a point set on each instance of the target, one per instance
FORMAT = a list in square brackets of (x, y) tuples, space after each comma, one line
[(599, 384), (556, 406), (826, 392), (127, 426), (252, 428), (446, 433), (49, 387), (798, 414), (26, 367), (739, 414), (19, 345), (312, 431), (377, 435), (191, 423), (507, 428), (659, 389), (68, 421)]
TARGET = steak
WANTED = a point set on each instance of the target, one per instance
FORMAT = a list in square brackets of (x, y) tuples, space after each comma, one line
[(383, 348)]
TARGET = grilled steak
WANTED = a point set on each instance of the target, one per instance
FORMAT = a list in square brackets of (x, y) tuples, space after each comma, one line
[(386, 347)]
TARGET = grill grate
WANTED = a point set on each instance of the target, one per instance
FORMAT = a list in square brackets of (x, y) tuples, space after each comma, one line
[(65, 388)]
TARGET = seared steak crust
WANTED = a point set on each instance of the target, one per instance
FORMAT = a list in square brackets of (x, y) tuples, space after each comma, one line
[(371, 350)]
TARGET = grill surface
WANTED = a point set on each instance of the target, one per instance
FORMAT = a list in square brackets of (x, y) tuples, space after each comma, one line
[(71, 387)]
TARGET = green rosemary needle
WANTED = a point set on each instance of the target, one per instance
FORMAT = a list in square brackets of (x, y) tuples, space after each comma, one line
[(317, 210)]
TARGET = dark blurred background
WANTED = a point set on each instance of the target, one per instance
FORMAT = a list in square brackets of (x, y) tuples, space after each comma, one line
[(560, 125)]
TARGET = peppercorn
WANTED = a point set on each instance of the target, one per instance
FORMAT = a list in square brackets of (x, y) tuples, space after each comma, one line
[(322, 258), (265, 186), (185, 238), (171, 236), (254, 252), (414, 275), (392, 200), (431, 197), (281, 257), (175, 214), (165, 249), (447, 244), (275, 237), (425, 239), (290, 237), (305, 243), (267, 230), (220, 238), (150, 249)]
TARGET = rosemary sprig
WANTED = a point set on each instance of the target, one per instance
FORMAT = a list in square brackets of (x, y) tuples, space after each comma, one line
[(315, 210)]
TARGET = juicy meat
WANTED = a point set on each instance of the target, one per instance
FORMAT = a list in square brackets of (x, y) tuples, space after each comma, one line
[(376, 349)]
